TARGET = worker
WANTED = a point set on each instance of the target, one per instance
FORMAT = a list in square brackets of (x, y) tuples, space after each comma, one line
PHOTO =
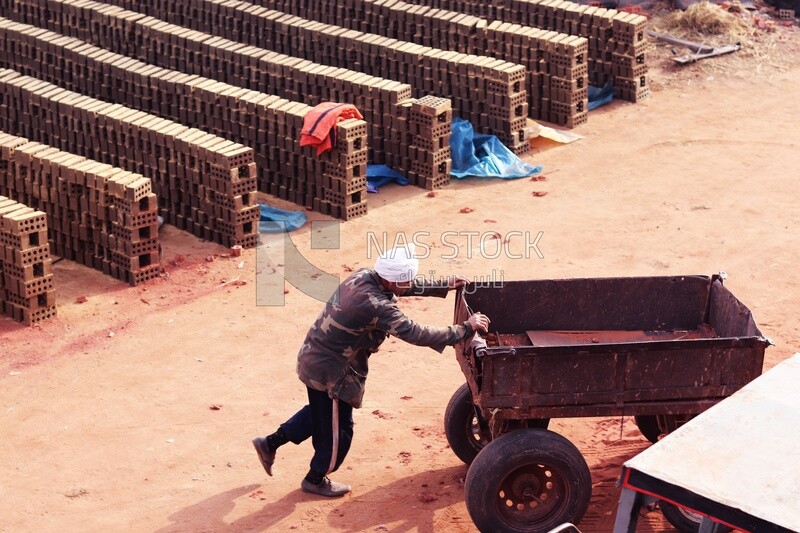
[(333, 360)]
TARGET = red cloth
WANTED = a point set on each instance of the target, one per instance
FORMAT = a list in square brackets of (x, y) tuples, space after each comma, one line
[(318, 124)]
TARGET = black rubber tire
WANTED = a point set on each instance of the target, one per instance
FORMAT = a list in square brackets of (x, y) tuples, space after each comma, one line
[(527, 481), (653, 427), (648, 426), (685, 521), (461, 426), (463, 431)]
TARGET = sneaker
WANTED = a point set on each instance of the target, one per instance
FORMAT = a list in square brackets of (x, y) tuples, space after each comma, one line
[(266, 456), (326, 487)]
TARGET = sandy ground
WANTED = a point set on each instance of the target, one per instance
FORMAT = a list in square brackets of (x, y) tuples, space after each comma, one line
[(134, 411)]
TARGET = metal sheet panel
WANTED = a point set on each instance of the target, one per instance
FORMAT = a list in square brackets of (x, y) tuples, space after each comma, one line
[(743, 452), (636, 303)]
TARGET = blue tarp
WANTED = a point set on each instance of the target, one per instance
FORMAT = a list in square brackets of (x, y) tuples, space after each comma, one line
[(378, 175), (600, 95), (274, 220), (484, 155)]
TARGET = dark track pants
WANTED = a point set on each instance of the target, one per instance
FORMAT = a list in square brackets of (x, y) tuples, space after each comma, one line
[(315, 420)]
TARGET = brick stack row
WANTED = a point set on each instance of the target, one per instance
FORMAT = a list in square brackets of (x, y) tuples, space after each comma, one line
[(334, 183), (27, 291), (199, 178), (255, 119), (488, 92), (100, 216), (557, 69), (556, 63), (196, 53), (617, 40), (558, 80)]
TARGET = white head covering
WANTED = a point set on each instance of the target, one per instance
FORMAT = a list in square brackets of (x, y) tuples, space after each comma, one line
[(398, 265)]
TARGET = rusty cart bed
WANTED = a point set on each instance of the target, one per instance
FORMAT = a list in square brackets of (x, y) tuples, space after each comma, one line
[(662, 349)]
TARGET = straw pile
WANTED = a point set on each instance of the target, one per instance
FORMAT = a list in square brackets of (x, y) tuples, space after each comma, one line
[(707, 19), (764, 49)]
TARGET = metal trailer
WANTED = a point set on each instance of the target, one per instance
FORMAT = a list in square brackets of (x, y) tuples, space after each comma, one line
[(736, 465), (661, 349)]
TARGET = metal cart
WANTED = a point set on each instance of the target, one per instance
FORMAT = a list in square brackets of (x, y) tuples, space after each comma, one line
[(662, 349)]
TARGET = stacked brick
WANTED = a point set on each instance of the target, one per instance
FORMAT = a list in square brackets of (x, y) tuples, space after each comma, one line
[(559, 83), (617, 39), (489, 92), (429, 122), (173, 47), (200, 179), (627, 49), (556, 63), (100, 216), (344, 171), (27, 292), (338, 178), (241, 115)]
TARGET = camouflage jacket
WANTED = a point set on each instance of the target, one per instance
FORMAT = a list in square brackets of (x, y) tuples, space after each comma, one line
[(354, 323)]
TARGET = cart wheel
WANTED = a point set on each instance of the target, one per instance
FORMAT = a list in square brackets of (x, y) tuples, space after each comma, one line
[(648, 426), (464, 431), (528, 480), (654, 426), (684, 520), (462, 428)]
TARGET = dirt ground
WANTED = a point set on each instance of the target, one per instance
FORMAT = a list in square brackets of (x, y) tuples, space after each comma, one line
[(134, 411)]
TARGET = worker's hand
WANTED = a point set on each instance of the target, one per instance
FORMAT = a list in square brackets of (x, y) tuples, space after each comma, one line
[(456, 282), (479, 322)]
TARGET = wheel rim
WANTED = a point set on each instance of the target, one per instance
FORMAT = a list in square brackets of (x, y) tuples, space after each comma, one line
[(694, 517), (476, 436), (530, 494)]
